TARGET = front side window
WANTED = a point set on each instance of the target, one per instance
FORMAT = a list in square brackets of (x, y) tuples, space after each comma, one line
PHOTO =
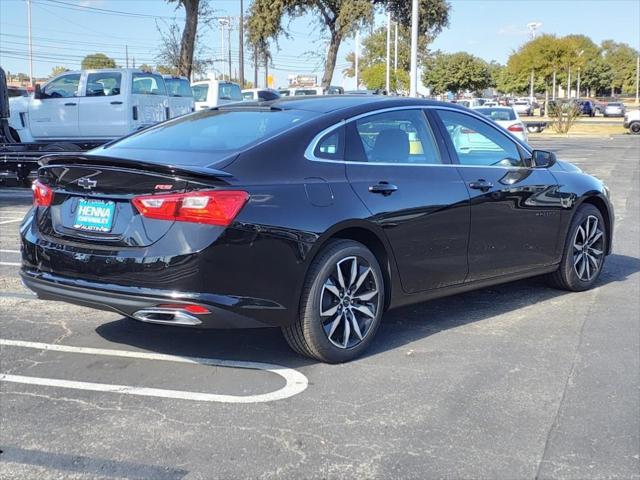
[(477, 143), (230, 91), (103, 84), (401, 136), (65, 86), (148, 84)]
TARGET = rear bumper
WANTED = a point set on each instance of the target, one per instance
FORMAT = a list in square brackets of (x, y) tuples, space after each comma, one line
[(225, 310)]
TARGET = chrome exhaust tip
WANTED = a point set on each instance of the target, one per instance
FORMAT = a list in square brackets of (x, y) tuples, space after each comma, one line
[(166, 316)]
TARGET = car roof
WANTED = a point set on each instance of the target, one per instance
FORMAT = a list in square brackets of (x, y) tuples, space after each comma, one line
[(331, 103)]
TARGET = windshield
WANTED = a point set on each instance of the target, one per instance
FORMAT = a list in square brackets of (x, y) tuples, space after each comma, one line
[(178, 87), (214, 130), (498, 114), (200, 92)]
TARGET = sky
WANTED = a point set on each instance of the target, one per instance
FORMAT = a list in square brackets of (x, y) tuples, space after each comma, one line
[(64, 31)]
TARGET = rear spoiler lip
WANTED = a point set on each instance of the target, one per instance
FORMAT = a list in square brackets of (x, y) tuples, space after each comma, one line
[(98, 160)]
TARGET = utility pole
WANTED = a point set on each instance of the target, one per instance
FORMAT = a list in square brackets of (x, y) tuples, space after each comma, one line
[(638, 79), (241, 46), (126, 54), (255, 66), (415, 13), (395, 59), (222, 22), (357, 62), (30, 43), (388, 77), (229, 45)]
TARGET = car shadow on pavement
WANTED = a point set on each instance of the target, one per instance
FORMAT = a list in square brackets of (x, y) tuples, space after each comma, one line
[(415, 322)]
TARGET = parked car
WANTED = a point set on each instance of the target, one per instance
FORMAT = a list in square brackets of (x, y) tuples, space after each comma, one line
[(490, 103), (632, 121), (303, 91), (180, 95), (260, 94), (333, 90), (523, 107), (614, 109), (599, 106), (587, 107), (186, 224), (90, 105), (507, 118), (211, 93), (17, 92), (284, 92)]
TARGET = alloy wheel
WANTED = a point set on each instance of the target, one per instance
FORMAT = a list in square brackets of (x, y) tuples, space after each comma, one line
[(588, 249), (349, 302)]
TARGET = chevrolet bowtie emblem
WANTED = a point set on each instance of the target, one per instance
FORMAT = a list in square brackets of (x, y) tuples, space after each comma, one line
[(86, 183)]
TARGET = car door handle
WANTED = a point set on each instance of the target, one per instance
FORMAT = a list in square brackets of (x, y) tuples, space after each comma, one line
[(384, 188), (70, 104), (116, 103), (481, 185)]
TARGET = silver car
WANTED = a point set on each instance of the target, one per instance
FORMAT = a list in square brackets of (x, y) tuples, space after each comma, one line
[(614, 109)]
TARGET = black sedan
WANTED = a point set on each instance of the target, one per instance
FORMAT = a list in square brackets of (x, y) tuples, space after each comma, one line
[(314, 215)]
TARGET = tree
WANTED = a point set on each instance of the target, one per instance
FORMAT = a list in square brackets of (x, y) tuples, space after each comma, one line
[(621, 59), (457, 72), (339, 18), (374, 77), (55, 71), (97, 60), (169, 56), (193, 10)]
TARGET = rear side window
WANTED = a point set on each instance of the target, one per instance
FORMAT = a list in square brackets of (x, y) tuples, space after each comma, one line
[(178, 87), (401, 136), (214, 130), (477, 143), (148, 84), (62, 87), (330, 146), (103, 84), (200, 92), (230, 91), (247, 95)]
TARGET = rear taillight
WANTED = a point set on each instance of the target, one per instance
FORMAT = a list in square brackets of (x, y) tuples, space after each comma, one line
[(516, 128), (42, 194), (211, 207)]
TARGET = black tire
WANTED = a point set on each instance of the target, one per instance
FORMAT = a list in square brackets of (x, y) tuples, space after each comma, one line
[(307, 335), (634, 128), (567, 276), (62, 147)]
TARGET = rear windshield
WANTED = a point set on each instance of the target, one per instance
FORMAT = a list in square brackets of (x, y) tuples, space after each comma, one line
[(178, 87), (305, 92), (497, 114), (200, 92), (522, 102), (614, 104), (214, 130)]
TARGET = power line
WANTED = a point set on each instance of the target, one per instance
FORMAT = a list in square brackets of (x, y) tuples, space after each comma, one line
[(104, 11)]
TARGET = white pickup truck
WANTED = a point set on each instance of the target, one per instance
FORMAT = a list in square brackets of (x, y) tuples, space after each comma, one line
[(91, 105), (632, 121)]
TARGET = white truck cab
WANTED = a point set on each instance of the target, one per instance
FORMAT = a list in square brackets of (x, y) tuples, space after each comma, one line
[(180, 95), (91, 105), (211, 93)]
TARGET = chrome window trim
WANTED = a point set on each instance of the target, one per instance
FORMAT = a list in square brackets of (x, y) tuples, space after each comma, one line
[(311, 148)]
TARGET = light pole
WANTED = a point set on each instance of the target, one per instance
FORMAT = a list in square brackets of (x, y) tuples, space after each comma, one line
[(357, 62), (30, 43), (241, 46), (388, 77), (415, 13), (223, 22), (533, 27), (637, 79), (580, 53)]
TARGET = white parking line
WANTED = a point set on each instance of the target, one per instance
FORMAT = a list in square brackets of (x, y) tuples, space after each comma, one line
[(10, 264), (9, 251), (15, 220), (296, 382)]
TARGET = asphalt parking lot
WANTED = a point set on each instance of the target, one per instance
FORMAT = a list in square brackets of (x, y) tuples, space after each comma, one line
[(513, 382)]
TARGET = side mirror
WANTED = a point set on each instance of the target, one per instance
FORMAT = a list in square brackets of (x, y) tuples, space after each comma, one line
[(37, 92), (542, 159)]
